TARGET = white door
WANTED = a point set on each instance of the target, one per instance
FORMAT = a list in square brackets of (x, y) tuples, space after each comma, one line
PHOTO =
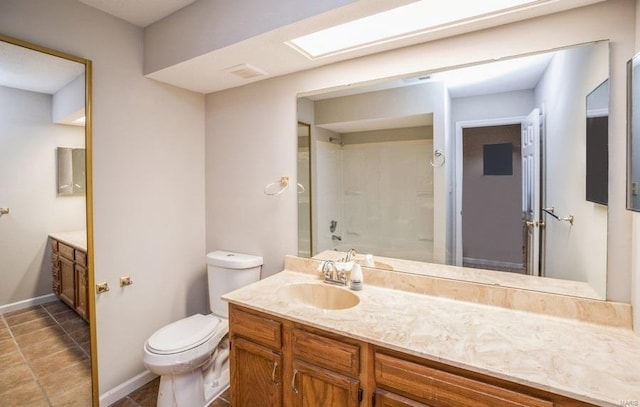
[(531, 176)]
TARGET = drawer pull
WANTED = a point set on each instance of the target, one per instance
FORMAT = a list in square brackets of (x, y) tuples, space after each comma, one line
[(273, 373), (293, 381)]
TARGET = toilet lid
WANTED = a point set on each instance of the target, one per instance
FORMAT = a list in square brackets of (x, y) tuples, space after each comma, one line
[(184, 334)]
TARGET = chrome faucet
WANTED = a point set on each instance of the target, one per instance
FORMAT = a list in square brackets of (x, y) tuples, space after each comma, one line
[(332, 275), (351, 254)]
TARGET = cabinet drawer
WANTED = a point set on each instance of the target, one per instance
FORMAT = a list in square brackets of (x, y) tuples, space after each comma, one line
[(54, 246), (326, 352), (259, 329), (442, 389), (81, 257), (65, 251)]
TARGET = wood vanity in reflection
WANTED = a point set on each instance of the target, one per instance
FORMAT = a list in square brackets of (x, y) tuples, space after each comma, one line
[(69, 270), (278, 362)]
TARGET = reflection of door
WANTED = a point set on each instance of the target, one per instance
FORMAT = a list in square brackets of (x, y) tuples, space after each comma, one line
[(531, 173), (491, 198)]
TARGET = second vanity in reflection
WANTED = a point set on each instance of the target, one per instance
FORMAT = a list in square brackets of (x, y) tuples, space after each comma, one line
[(69, 270), (398, 348)]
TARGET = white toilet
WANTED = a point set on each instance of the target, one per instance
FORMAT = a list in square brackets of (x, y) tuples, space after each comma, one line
[(192, 355)]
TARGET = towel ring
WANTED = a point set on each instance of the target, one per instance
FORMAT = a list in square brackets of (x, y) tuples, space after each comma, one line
[(277, 187), (437, 155)]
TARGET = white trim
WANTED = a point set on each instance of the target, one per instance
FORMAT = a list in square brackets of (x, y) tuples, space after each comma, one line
[(43, 299), (122, 390), (493, 264), (458, 171)]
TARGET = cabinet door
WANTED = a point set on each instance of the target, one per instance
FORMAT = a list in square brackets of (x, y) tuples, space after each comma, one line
[(67, 281), (317, 387), (443, 389), (256, 374), (55, 274), (82, 302), (386, 399)]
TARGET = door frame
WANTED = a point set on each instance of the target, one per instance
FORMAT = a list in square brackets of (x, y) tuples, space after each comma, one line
[(460, 126)]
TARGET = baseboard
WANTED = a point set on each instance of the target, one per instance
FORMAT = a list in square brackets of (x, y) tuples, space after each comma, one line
[(122, 390), (43, 299), (491, 264)]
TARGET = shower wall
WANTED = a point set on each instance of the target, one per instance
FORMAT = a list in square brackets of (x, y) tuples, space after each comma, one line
[(381, 195)]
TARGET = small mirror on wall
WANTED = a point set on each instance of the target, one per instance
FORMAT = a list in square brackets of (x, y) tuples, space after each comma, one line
[(633, 133), (71, 171)]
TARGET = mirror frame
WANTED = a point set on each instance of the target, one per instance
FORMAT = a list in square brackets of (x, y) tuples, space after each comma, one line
[(88, 195), (630, 135)]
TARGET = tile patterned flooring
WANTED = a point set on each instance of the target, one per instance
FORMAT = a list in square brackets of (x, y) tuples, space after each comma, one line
[(44, 357), (44, 361), (146, 396)]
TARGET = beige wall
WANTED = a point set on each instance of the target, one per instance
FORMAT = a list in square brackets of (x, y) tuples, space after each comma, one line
[(148, 179), (263, 116)]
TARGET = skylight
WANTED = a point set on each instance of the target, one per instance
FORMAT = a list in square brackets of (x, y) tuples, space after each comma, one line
[(405, 21)]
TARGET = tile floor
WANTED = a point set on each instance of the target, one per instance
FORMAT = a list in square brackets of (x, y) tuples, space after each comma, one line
[(147, 395), (44, 357)]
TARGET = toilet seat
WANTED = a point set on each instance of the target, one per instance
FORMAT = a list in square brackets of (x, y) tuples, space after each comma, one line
[(185, 334)]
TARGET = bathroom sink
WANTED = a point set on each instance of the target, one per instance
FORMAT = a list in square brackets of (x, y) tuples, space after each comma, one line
[(318, 295)]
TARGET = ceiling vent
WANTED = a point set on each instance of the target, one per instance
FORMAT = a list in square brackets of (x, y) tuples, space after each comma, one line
[(246, 71)]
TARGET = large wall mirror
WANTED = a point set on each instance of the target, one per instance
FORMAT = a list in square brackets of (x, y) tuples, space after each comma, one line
[(45, 146), (483, 167)]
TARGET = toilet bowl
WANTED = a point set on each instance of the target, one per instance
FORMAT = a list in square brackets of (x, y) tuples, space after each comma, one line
[(191, 355)]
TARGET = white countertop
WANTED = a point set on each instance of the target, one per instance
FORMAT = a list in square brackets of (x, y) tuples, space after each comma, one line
[(76, 239), (589, 362)]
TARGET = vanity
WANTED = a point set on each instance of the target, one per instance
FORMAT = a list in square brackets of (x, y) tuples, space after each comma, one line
[(395, 347), (69, 270)]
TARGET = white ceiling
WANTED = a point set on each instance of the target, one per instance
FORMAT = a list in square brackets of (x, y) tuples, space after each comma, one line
[(139, 12), (484, 79), (209, 72), (25, 69)]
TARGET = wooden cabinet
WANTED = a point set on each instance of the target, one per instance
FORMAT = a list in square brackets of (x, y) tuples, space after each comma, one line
[(314, 386), (383, 398), (67, 281), (437, 388), (69, 276), (256, 360), (325, 371), (82, 291), (256, 374), (277, 362)]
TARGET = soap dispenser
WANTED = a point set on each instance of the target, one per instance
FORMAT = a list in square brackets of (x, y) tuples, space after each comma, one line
[(356, 278)]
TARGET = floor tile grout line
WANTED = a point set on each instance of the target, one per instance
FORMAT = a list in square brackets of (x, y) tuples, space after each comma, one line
[(67, 333), (26, 362)]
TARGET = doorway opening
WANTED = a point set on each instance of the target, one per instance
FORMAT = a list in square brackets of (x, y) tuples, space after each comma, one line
[(498, 194)]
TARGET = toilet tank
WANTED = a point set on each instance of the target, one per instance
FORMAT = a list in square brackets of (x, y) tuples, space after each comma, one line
[(228, 271)]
